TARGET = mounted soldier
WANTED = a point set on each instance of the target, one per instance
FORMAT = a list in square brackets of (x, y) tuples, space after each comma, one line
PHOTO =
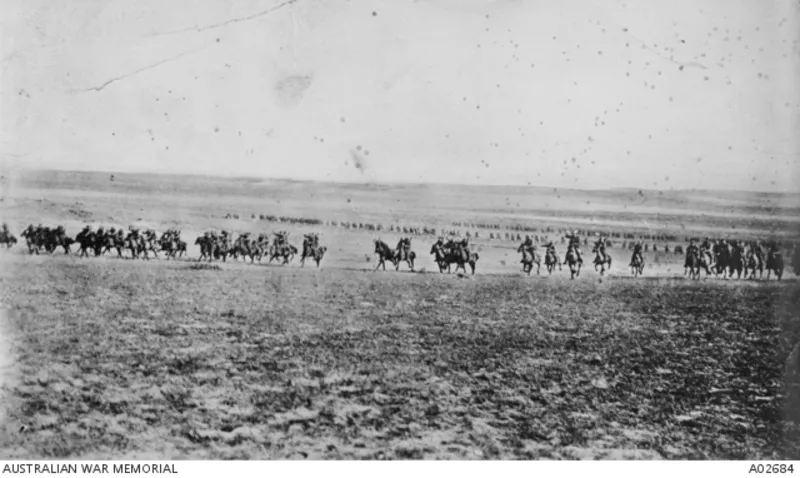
[(637, 253), (574, 246), (758, 252), (528, 244), (691, 251)]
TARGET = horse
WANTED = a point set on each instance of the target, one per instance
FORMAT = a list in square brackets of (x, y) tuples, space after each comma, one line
[(286, 251), (65, 242), (403, 253), (551, 260), (442, 256), (722, 256), (311, 250), (136, 245), (472, 260), (775, 263), (637, 264), (86, 241), (31, 239), (735, 261), (7, 239), (149, 241), (707, 260), (114, 241), (384, 253), (180, 249), (240, 247), (529, 258), (252, 249), (753, 263), (601, 259), (221, 248), (316, 253), (574, 263), (461, 258), (205, 247), (694, 263)]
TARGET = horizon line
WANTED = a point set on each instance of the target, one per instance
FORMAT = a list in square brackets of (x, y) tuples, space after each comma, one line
[(404, 183)]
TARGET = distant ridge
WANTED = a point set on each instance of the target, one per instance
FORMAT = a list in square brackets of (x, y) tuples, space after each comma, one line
[(405, 185)]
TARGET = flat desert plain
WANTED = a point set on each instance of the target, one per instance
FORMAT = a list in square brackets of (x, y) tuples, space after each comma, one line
[(108, 357)]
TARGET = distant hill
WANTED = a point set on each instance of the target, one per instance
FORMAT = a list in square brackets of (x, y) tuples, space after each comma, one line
[(672, 210)]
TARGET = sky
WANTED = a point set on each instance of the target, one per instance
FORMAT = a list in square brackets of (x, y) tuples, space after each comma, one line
[(587, 94)]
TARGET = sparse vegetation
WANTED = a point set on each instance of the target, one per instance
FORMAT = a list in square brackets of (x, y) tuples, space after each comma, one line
[(174, 359), (131, 358)]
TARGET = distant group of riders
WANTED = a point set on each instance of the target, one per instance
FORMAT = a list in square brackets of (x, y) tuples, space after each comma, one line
[(573, 257), (720, 257), (401, 253), (139, 243), (447, 253), (215, 246), (728, 257)]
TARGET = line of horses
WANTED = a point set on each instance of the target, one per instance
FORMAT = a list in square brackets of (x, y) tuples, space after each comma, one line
[(724, 258), (718, 258), (219, 246), (572, 259)]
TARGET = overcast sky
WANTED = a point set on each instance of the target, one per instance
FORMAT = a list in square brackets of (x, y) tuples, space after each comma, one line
[(574, 93)]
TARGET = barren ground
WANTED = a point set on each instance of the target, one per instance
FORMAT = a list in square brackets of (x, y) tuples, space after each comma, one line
[(121, 358)]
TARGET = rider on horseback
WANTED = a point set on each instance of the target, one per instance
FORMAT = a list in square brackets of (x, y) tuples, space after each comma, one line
[(773, 250), (311, 239), (463, 247), (757, 250), (691, 251), (528, 242), (83, 232), (637, 252), (280, 238), (574, 246)]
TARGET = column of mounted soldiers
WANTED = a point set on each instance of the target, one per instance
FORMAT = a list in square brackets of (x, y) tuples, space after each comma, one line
[(718, 257), (743, 258)]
